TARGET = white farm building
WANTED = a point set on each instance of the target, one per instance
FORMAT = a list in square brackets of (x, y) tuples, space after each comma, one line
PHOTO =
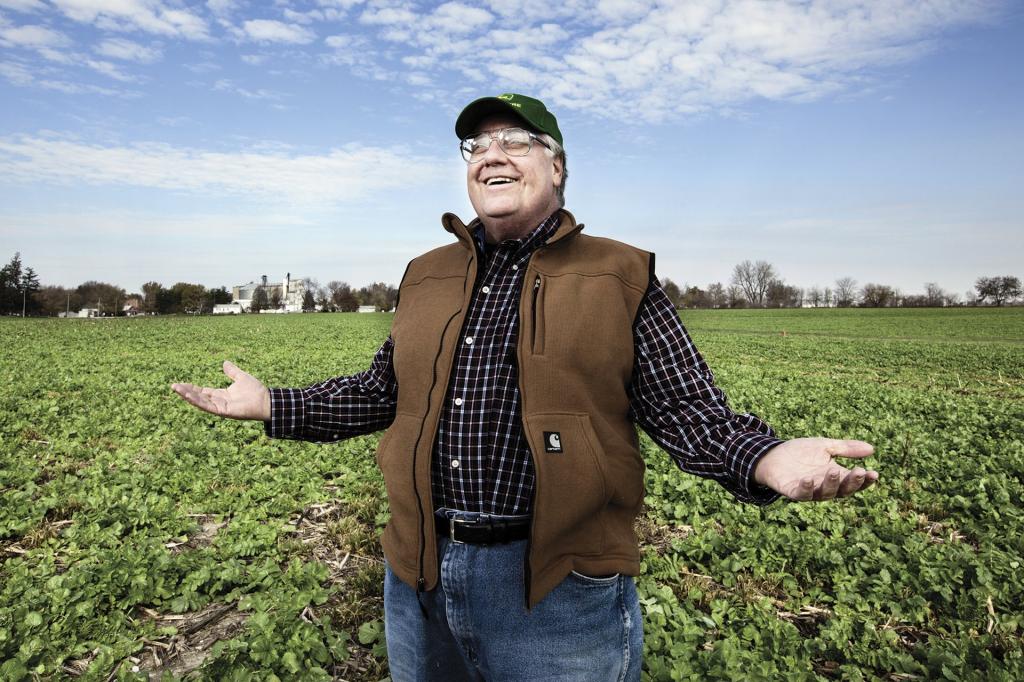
[(289, 291)]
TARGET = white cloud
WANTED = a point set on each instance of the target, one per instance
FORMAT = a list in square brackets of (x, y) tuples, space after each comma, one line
[(304, 17), (388, 16), (540, 10), (119, 48), (222, 7), (32, 37), (349, 173), (17, 74), (458, 18), (271, 31), (202, 67), (23, 76), (656, 61), (226, 85), (109, 69), (22, 5), (175, 121), (151, 16), (254, 59), (339, 4)]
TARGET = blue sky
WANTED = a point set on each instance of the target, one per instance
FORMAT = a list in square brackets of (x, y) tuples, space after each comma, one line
[(217, 141)]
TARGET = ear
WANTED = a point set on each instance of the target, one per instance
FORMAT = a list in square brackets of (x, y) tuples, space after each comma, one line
[(557, 172)]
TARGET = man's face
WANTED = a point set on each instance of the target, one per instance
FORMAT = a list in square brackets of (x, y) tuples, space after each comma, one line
[(513, 193)]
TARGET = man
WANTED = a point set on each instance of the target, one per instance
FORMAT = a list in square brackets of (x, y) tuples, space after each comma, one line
[(519, 360)]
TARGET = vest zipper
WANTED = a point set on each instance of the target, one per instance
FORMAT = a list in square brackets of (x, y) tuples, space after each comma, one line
[(421, 580), (527, 569), (537, 318)]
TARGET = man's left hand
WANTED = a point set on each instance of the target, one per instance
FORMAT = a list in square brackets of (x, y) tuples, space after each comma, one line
[(804, 468)]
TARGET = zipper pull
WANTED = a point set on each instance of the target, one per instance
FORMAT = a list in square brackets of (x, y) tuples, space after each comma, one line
[(536, 283)]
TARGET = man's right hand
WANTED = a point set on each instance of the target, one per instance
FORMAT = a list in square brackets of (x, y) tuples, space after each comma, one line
[(245, 398)]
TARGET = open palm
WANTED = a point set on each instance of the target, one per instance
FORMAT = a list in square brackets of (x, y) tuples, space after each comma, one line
[(245, 398), (805, 468)]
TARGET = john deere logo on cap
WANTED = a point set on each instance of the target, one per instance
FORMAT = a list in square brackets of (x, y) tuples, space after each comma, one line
[(507, 96)]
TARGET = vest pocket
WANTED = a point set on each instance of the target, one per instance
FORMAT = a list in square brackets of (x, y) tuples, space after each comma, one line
[(570, 490), (537, 317)]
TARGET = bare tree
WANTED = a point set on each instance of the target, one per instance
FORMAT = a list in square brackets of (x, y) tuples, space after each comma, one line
[(323, 300), (846, 292), (879, 296), (934, 296), (754, 279), (734, 297), (716, 295), (814, 296)]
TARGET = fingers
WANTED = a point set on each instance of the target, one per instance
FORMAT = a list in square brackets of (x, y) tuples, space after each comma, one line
[(853, 482), (856, 480), (198, 397), (830, 485), (232, 370), (805, 491), (849, 448)]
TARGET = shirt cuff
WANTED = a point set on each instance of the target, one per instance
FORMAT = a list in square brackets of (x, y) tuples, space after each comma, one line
[(744, 452), (287, 413)]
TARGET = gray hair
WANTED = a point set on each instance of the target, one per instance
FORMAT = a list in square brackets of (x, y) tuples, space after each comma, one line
[(555, 151)]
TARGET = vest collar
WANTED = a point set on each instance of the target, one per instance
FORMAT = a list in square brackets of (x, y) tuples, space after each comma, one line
[(567, 227)]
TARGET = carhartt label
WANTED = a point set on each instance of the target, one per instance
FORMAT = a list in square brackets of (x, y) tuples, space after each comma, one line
[(552, 441)]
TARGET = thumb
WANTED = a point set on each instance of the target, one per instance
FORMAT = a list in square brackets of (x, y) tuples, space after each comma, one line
[(233, 372), (849, 448)]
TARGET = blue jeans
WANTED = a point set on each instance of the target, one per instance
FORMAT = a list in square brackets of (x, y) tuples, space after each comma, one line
[(585, 630)]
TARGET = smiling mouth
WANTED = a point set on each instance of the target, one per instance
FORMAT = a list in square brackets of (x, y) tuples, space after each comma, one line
[(499, 180)]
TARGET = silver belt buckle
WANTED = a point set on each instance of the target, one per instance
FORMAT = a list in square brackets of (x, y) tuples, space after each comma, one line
[(451, 531)]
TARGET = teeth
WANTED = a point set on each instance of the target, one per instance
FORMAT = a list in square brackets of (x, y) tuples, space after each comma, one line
[(499, 180)]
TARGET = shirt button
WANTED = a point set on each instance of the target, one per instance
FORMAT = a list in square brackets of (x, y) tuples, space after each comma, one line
[(458, 401), (515, 267), (469, 340), (486, 290), (455, 464)]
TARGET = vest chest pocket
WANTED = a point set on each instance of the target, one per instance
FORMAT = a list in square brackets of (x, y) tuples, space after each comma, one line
[(570, 487), (537, 317)]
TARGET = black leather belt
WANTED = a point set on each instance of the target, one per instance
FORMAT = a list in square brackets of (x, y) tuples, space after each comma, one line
[(484, 531)]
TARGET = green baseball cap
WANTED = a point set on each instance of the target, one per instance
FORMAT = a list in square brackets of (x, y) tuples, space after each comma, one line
[(531, 111)]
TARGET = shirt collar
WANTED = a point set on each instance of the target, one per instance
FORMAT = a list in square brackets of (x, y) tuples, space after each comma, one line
[(527, 244)]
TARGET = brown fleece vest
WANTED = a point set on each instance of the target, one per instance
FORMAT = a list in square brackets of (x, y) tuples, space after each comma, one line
[(575, 355)]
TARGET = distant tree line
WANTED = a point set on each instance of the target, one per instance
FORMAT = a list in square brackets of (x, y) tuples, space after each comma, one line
[(755, 284), (759, 285), (20, 291)]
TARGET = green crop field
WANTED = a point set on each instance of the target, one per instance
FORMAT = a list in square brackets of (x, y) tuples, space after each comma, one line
[(140, 537)]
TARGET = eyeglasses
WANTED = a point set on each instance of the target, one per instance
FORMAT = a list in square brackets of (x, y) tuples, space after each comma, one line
[(512, 141)]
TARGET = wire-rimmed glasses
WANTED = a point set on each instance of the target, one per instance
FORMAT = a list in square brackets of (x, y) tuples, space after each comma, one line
[(512, 141)]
